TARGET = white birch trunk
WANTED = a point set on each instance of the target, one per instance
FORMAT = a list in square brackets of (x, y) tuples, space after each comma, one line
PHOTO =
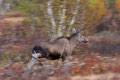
[(4, 6), (72, 21), (75, 13), (1, 7), (52, 19), (62, 19)]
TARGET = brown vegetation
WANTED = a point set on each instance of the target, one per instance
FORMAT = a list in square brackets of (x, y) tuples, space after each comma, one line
[(97, 60)]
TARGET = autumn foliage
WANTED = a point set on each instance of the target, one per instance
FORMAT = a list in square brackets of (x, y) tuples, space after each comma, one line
[(100, 56), (117, 4)]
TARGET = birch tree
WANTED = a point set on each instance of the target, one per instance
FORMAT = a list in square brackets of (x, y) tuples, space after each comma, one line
[(58, 20), (59, 16), (4, 5), (51, 19)]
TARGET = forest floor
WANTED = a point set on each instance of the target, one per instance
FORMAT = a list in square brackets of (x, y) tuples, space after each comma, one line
[(84, 68)]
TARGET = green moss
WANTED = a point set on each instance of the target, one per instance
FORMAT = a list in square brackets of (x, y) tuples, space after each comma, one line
[(5, 57)]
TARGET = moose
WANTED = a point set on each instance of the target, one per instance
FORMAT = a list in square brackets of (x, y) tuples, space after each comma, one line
[(61, 47)]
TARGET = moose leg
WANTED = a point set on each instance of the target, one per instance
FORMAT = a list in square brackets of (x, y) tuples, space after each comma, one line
[(69, 57), (31, 63), (64, 56)]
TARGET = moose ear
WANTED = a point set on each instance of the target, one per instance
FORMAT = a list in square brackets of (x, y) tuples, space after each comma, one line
[(74, 30)]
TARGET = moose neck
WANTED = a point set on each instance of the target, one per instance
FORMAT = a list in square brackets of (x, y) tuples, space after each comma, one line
[(73, 40)]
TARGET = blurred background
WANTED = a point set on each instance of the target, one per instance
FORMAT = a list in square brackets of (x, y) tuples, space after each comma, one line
[(24, 23)]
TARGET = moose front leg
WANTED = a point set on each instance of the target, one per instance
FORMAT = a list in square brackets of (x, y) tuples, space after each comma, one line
[(64, 56), (69, 57)]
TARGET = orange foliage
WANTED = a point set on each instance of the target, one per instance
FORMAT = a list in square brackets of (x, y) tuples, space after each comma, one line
[(93, 16), (115, 68), (15, 67), (86, 71), (117, 4), (1, 69), (81, 70), (100, 8), (100, 69), (76, 70), (90, 62)]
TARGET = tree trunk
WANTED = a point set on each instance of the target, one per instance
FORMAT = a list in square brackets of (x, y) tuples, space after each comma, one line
[(62, 19), (52, 20), (4, 6), (73, 18)]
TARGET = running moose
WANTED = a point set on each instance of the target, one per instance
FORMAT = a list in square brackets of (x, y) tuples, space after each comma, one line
[(61, 47)]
